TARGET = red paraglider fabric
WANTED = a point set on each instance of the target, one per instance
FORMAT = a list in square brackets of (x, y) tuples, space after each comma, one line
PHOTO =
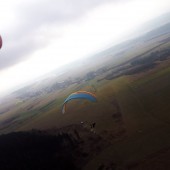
[(0, 41)]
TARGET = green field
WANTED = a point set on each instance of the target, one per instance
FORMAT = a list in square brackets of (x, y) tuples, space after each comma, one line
[(142, 129), (132, 112)]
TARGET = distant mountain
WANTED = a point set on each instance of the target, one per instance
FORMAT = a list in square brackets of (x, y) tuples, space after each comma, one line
[(157, 32), (151, 25), (53, 81), (118, 49)]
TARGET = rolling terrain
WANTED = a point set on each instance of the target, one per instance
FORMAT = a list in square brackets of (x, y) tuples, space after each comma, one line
[(132, 114)]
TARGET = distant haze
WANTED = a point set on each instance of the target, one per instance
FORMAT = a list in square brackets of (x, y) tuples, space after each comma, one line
[(40, 36)]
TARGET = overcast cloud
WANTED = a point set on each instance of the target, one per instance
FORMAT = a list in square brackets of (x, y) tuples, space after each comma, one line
[(25, 33), (41, 35)]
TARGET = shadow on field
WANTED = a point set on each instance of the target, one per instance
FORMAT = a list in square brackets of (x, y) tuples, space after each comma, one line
[(36, 150), (59, 149)]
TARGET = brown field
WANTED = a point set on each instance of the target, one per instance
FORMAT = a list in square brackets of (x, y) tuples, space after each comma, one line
[(132, 112)]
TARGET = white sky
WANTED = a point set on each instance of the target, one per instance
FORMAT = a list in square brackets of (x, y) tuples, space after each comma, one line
[(39, 37)]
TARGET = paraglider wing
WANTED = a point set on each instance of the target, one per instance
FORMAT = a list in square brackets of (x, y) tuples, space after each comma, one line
[(0, 41), (79, 95)]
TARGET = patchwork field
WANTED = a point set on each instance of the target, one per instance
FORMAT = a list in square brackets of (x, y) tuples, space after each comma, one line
[(132, 112)]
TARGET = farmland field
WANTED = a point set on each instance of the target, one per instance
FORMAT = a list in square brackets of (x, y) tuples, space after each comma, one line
[(132, 112)]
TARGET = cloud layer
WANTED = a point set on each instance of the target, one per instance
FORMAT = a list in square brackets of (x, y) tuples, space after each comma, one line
[(32, 20)]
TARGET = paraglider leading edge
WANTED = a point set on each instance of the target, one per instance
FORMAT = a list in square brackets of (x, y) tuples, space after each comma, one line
[(79, 95)]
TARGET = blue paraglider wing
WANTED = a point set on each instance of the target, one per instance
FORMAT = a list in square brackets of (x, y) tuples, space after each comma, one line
[(79, 95)]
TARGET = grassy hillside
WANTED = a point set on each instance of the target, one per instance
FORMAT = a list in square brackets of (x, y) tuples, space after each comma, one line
[(131, 112)]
